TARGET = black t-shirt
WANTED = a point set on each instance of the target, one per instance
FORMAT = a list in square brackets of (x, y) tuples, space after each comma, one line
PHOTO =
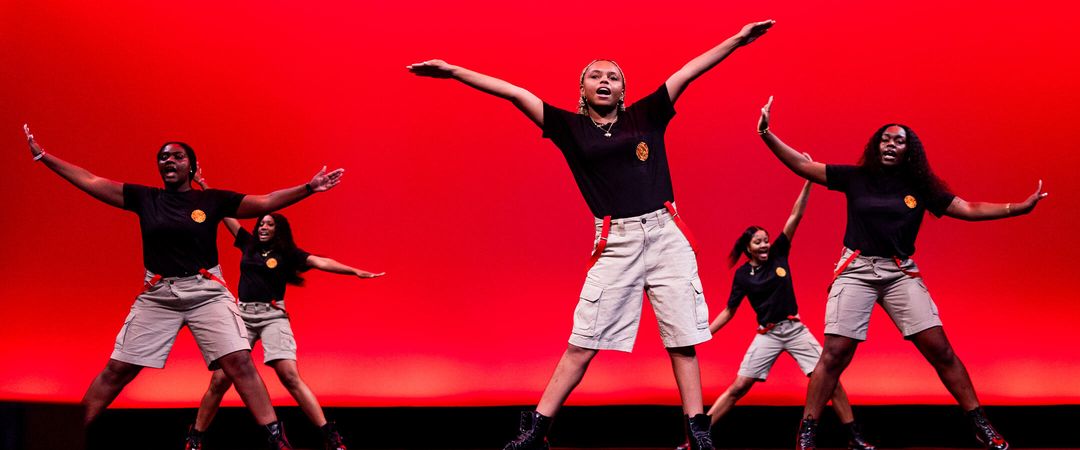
[(179, 229), (623, 175), (884, 209), (263, 275), (770, 290)]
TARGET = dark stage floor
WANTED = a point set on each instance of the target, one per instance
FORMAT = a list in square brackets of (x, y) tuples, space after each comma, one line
[(42, 426)]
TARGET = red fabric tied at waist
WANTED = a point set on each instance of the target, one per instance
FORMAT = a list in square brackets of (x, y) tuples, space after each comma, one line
[(154, 280), (762, 329), (682, 225), (855, 254), (604, 231)]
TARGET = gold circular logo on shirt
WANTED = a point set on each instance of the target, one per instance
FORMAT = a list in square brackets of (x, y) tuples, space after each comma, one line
[(198, 216), (910, 202), (642, 151), (781, 272), (271, 262)]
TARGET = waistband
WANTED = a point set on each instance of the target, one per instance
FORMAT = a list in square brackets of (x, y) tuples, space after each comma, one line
[(258, 307), (216, 271), (659, 216)]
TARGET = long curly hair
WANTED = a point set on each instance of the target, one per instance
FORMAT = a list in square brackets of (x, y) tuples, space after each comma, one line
[(915, 166), (742, 244), (283, 244)]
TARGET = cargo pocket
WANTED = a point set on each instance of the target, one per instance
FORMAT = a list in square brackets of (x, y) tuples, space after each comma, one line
[(701, 310), (588, 310), (288, 342), (832, 307), (923, 291), (241, 327), (122, 335)]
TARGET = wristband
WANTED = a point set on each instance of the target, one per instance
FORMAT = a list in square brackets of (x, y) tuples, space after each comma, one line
[(308, 188), (763, 132), (38, 156)]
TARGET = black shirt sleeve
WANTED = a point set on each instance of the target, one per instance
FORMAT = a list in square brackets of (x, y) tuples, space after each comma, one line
[(300, 260), (781, 246), (133, 196), (838, 177), (657, 106), (556, 122), (939, 202), (229, 201), (243, 239), (737, 294)]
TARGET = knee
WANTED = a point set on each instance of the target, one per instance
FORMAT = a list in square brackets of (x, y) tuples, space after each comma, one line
[(219, 383), (739, 390), (942, 356), (238, 365), (290, 379), (682, 352), (119, 373), (580, 353), (834, 358)]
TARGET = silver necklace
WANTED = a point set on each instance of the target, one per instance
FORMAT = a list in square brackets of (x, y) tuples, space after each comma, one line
[(609, 125)]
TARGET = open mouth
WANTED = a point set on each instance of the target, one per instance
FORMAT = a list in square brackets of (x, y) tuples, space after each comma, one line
[(169, 170), (603, 91), (889, 154)]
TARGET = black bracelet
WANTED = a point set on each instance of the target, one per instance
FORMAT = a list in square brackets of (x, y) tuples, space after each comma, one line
[(308, 188)]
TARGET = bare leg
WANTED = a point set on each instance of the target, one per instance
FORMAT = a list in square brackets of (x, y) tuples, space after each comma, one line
[(841, 405), (688, 377), (935, 347), (241, 370), (727, 400), (289, 375), (568, 373), (106, 386), (835, 357), (208, 407)]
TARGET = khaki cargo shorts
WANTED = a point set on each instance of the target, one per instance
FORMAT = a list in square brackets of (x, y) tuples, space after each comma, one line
[(270, 325), (205, 306), (787, 336), (646, 254)]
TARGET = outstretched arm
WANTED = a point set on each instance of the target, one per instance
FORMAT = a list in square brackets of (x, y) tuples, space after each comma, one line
[(524, 100), (809, 169), (258, 205), (231, 224), (973, 211), (678, 81), (108, 191), (797, 210), (329, 265), (721, 319)]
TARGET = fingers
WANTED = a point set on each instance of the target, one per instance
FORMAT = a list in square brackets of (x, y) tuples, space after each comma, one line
[(768, 105), (26, 130), (321, 172)]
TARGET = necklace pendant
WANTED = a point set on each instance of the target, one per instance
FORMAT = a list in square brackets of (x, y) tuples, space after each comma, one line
[(607, 134)]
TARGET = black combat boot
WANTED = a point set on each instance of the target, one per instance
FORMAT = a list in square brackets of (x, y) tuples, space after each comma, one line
[(807, 437), (985, 432), (532, 432), (856, 440), (193, 441), (331, 437), (275, 434), (697, 432)]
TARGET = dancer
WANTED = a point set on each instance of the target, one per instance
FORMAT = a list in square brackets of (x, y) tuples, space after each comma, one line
[(270, 261), (767, 280), (887, 195), (183, 279), (618, 158)]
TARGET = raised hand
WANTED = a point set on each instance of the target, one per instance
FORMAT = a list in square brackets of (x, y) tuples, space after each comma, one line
[(199, 178), (751, 31), (365, 274), (1033, 199), (323, 181), (434, 68), (35, 149), (763, 121)]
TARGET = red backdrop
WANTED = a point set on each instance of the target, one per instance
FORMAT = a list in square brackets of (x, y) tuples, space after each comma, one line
[(477, 219)]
